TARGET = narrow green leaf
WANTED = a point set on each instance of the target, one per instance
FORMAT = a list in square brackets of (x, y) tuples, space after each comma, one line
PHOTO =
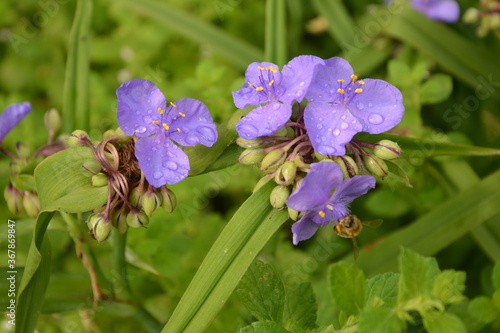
[(263, 327), (417, 275), (449, 286), (347, 286), (340, 23), (496, 276), (443, 322), (300, 307), (382, 290), (436, 89), (228, 158), (483, 310), (76, 83), (64, 185), (379, 320), (235, 50), (275, 48)]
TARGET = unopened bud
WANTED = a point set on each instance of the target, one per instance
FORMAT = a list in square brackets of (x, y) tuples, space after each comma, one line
[(119, 221), (376, 166), (31, 203), (293, 214), (77, 138), (23, 150), (251, 156), (281, 132), (261, 183), (387, 150), (150, 202), (168, 199), (244, 143), (319, 157), (471, 16), (99, 180), (347, 165), (14, 199), (135, 196), (99, 228), (279, 195), (273, 160), (52, 120), (137, 220), (300, 162), (286, 173)]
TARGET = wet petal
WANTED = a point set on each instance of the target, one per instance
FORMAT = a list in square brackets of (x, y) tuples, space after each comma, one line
[(440, 10), (379, 107), (304, 229), (316, 186), (325, 83), (161, 160), (191, 123), (248, 95), (11, 116), (138, 103), (330, 127), (264, 120), (297, 76), (349, 190)]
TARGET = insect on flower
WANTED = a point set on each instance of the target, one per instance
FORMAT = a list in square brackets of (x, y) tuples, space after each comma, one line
[(351, 226)]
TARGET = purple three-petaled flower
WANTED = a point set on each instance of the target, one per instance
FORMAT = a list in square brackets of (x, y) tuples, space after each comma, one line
[(439, 10), (273, 91), (315, 196), (142, 111), (11, 116), (340, 106)]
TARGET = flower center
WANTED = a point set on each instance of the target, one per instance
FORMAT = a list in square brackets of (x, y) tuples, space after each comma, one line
[(348, 91), (269, 79), (163, 125)]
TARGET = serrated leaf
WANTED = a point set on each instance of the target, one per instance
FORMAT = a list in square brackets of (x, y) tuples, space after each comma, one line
[(483, 310), (417, 275), (496, 276), (448, 286), (263, 327), (300, 307), (443, 322), (64, 185), (379, 320), (382, 290), (348, 287), (436, 89), (262, 292)]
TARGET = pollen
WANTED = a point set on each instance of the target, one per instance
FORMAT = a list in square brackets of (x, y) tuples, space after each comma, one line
[(361, 82), (321, 213), (340, 80), (272, 69), (359, 90), (251, 84), (173, 104), (182, 114), (354, 77), (155, 122), (160, 111), (165, 126), (340, 90), (271, 82), (259, 88), (178, 129), (260, 67)]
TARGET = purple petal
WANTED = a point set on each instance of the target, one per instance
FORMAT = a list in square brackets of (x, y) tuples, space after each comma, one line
[(264, 120), (440, 10), (161, 160), (379, 107), (191, 123), (11, 116), (297, 76), (330, 127), (248, 95), (138, 103), (325, 82), (316, 186), (303, 229), (349, 190)]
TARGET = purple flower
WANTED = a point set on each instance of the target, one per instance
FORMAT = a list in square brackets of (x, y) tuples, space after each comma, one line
[(341, 106), (11, 116), (274, 92), (439, 10), (142, 111), (315, 196)]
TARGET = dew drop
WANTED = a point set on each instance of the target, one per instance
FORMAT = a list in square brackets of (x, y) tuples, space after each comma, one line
[(154, 149), (375, 119), (323, 138), (370, 105), (336, 132), (172, 165), (299, 93), (247, 131), (157, 174), (140, 129), (302, 84), (319, 126), (343, 117), (344, 125), (192, 139), (149, 101), (360, 105)]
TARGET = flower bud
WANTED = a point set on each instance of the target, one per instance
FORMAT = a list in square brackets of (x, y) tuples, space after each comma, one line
[(150, 202), (387, 149), (168, 199), (319, 156), (99, 180), (23, 150), (31, 203), (52, 121), (347, 165), (251, 156), (286, 173), (244, 143), (137, 220), (261, 183), (471, 16), (119, 221), (376, 165), (99, 228), (14, 199), (273, 160), (293, 214), (281, 132), (300, 163), (91, 167), (77, 138), (135, 196), (279, 195)]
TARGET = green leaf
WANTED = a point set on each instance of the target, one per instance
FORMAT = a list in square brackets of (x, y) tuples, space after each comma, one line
[(262, 292), (386, 203), (443, 322), (23, 182), (347, 286), (64, 185), (263, 327), (379, 320), (275, 48), (340, 23), (76, 82), (449, 286), (235, 50), (226, 262), (382, 289), (496, 276), (417, 275), (228, 158), (300, 307), (436, 89), (483, 310)]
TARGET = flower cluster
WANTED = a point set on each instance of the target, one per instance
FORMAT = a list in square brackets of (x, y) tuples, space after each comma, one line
[(306, 117)]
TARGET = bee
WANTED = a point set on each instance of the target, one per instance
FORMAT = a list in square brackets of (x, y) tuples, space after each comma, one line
[(351, 226)]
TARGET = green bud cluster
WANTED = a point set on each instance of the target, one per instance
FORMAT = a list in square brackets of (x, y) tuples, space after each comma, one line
[(21, 202), (487, 18)]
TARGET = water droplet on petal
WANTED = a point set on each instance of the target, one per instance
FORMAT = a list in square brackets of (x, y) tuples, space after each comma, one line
[(192, 139), (336, 132), (154, 148), (302, 83), (140, 129), (343, 117), (375, 119), (360, 105), (157, 174), (171, 165), (247, 131), (370, 105), (149, 101), (353, 122), (299, 93), (323, 138), (319, 126), (276, 106), (344, 125), (326, 150)]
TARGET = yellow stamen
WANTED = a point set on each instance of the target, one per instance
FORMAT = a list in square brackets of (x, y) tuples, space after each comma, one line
[(160, 111), (251, 84), (354, 77), (260, 67), (361, 82), (272, 69), (165, 126), (359, 90), (340, 80), (321, 213), (259, 88), (341, 90), (156, 122), (182, 114), (178, 130), (271, 82), (173, 104)]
